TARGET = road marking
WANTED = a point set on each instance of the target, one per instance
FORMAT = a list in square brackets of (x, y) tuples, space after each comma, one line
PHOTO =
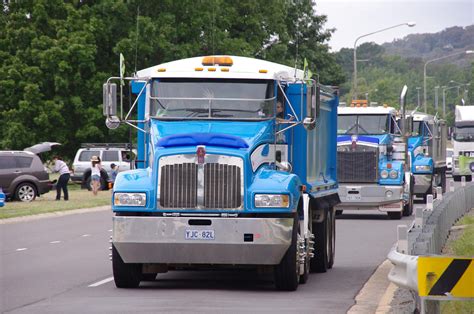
[(85, 235), (55, 242), (110, 230), (106, 280), (21, 249)]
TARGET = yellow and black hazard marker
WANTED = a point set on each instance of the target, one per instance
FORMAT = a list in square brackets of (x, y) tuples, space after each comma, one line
[(446, 277)]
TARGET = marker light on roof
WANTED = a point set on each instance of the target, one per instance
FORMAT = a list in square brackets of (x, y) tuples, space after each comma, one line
[(161, 70), (222, 61), (198, 69), (224, 69), (211, 69), (262, 71)]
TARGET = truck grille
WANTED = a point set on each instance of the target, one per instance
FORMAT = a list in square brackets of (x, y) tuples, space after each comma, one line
[(179, 186), (213, 185), (221, 186), (357, 166)]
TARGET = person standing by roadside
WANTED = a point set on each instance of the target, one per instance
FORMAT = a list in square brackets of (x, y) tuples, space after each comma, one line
[(64, 175), (95, 174)]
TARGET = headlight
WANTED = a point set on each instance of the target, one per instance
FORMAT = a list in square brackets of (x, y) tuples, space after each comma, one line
[(423, 168), (384, 174), (393, 174), (272, 200), (129, 199)]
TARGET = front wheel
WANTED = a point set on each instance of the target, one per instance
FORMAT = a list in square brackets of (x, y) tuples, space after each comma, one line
[(126, 275), (25, 192), (395, 215), (287, 273)]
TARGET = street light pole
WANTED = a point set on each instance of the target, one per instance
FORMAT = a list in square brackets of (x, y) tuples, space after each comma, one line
[(436, 98), (433, 60), (444, 102), (409, 24)]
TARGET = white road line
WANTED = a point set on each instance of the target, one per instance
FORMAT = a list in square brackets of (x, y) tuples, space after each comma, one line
[(21, 249), (85, 235), (110, 230), (106, 280), (55, 242)]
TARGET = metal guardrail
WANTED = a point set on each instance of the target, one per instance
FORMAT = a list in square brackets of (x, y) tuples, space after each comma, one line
[(428, 233)]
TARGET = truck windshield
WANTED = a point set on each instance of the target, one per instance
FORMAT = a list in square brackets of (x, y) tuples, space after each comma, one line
[(464, 134), (362, 124), (212, 99)]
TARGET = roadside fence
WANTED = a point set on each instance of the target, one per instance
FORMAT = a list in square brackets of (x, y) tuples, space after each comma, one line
[(417, 265)]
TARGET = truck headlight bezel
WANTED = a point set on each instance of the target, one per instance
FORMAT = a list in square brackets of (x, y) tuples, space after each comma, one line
[(134, 199), (384, 174), (272, 200)]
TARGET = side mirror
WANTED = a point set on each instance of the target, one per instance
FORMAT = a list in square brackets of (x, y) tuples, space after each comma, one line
[(109, 99), (313, 103)]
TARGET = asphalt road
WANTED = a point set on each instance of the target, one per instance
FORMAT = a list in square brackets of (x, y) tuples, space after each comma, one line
[(61, 265)]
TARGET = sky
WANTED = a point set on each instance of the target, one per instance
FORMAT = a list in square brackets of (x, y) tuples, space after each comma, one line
[(355, 18)]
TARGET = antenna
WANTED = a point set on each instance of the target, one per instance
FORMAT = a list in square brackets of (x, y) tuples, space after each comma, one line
[(296, 54), (136, 40)]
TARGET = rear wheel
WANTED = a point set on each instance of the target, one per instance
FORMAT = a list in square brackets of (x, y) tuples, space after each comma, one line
[(25, 192), (457, 178), (468, 178), (324, 233), (126, 275), (287, 273), (149, 277)]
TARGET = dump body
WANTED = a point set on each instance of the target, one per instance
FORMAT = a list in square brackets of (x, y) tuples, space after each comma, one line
[(371, 158), (463, 142), (222, 177)]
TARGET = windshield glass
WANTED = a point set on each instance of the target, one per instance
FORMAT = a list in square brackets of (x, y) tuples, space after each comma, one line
[(464, 134), (208, 99), (362, 124)]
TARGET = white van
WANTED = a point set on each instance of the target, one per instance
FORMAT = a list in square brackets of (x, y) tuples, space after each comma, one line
[(113, 153)]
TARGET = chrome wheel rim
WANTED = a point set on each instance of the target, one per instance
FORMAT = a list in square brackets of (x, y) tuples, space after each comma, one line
[(26, 193)]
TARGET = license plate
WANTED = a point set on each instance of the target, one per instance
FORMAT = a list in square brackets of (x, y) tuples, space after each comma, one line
[(353, 197), (194, 234)]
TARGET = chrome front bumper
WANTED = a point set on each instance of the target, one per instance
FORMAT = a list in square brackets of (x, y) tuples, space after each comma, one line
[(371, 196), (162, 240), (422, 183)]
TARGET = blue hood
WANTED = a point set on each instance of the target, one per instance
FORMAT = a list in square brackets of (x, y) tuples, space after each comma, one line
[(382, 139), (233, 134)]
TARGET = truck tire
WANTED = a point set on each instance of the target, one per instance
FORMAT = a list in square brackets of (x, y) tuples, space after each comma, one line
[(324, 243), (457, 178), (408, 208), (149, 277), (469, 178), (125, 275), (395, 215), (287, 275)]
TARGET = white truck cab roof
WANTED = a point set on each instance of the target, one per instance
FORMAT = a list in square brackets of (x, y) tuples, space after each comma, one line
[(221, 67), (366, 110)]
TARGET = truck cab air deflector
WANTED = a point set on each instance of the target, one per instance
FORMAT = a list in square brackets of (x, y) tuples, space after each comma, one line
[(194, 139)]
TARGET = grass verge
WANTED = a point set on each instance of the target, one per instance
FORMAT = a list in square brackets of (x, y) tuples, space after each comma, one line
[(461, 245), (46, 203)]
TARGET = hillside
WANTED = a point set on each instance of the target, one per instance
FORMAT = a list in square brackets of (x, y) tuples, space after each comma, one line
[(429, 46)]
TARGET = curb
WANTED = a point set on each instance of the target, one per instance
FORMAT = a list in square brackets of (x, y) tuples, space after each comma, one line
[(376, 294), (53, 214)]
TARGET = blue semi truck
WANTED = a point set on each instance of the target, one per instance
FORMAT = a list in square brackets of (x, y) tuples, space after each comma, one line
[(427, 149), (373, 168), (225, 178)]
